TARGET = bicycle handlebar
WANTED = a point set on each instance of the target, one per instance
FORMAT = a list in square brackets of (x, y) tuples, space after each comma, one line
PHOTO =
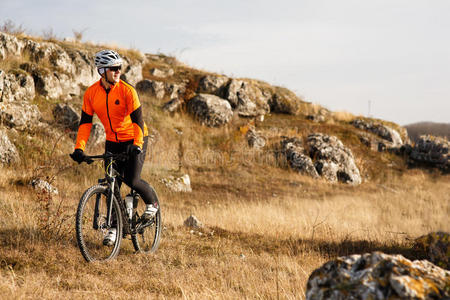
[(116, 156)]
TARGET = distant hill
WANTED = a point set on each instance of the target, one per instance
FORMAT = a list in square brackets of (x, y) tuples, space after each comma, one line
[(437, 129)]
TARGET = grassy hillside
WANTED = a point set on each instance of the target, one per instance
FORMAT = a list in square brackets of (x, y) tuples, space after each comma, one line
[(266, 227)]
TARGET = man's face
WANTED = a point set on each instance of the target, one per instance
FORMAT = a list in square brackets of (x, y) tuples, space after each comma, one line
[(113, 73)]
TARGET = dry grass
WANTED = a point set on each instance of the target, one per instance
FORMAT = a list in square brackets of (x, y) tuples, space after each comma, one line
[(266, 228)]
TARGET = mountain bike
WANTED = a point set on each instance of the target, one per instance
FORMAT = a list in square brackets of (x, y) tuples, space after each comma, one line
[(102, 207)]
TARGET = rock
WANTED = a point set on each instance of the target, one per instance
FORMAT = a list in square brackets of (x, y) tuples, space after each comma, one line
[(42, 185), (383, 131), (210, 110), (53, 53), (175, 90), (212, 84), (295, 154), (85, 72), (254, 139), (193, 222), (8, 152), (16, 85), (66, 116), (10, 45), (284, 101), (333, 160), (52, 84), (132, 73), (246, 98), (172, 105), (152, 87), (160, 73), (431, 152), (19, 115), (436, 246), (373, 143), (180, 184), (98, 135), (378, 276)]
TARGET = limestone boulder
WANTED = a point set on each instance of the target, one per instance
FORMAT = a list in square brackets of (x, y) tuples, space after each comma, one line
[(10, 45), (66, 116), (255, 139), (19, 115), (431, 152), (41, 185), (212, 84), (387, 133), (378, 276), (51, 52), (132, 73), (85, 72), (210, 110), (193, 222), (178, 184), (8, 152), (333, 160), (284, 101), (172, 105), (16, 85), (52, 84), (436, 245), (152, 87), (294, 152), (246, 98)]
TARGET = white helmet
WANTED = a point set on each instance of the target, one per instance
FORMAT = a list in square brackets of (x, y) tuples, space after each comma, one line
[(107, 58)]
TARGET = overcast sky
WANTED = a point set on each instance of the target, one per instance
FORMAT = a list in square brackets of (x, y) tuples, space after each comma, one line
[(393, 54)]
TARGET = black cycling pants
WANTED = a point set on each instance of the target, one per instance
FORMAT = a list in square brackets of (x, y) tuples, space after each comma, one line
[(132, 168)]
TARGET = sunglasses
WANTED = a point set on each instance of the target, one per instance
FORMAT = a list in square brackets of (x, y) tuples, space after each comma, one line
[(115, 69)]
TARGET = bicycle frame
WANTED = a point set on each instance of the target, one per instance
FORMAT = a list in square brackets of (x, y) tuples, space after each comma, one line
[(110, 179)]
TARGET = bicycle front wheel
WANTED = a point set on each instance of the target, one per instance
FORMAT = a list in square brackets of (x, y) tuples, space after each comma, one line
[(147, 233), (95, 237)]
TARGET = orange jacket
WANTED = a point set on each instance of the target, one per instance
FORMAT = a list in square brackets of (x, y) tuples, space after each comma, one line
[(118, 109)]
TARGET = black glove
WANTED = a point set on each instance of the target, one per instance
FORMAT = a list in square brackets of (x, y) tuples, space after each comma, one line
[(79, 157), (133, 150)]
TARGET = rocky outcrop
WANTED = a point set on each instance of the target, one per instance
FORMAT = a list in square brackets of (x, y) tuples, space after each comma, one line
[(132, 73), (436, 245), (378, 276), (66, 116), (42, 185), (430, 152), (390, 136), (210, 110), (172, 105), (285, 102), (19, 115), (193, 222), (180, 184), (10, 45), (295, 155), (212, 84), (333, 160), (324, 156), (59, 72), (8, 152), (255, 139), (16, 85), (160, 89)]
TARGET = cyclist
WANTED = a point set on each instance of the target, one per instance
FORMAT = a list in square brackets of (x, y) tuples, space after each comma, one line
[(117, 105)]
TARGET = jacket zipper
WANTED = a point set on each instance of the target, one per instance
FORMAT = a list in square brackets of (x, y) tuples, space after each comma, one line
[(107, 113)]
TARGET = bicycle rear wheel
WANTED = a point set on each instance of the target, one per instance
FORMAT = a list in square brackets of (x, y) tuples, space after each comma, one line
[(92, 227), (147, 236)]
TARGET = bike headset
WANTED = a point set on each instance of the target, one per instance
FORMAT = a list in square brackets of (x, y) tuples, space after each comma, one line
[(105, 59)]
